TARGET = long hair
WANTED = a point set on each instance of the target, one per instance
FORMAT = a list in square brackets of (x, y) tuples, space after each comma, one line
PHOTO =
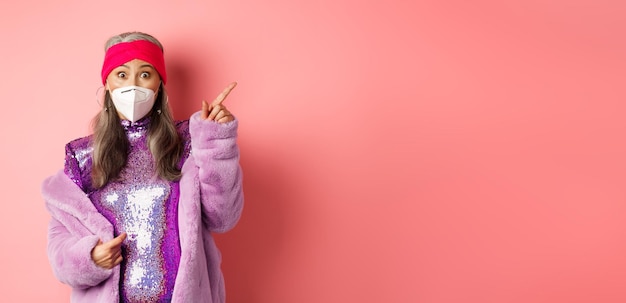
[(110, 144)]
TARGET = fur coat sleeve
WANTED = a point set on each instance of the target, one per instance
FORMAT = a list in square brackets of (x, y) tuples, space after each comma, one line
[(216, 154)]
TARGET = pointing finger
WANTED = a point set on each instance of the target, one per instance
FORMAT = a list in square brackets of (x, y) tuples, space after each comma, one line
[(220, 98)]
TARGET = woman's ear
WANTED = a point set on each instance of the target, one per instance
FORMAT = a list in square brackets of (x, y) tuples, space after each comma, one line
[(159, 90)]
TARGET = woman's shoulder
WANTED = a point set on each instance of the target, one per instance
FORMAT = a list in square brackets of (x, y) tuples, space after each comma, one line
[(182, 123), (82, 143), (182, 126)]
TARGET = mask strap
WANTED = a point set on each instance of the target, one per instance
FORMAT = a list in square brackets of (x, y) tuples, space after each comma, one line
[(100, 93)]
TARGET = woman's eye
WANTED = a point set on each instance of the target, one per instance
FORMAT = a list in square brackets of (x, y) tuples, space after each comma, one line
[(121, 74), (145, 75)]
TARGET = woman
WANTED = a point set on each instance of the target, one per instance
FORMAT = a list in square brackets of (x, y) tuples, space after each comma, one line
[(134, 208)]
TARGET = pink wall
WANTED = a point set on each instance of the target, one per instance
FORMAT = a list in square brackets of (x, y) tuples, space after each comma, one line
[(404, 151)]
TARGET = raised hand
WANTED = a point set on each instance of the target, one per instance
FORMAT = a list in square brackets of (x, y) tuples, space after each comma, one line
[(108, 254), (216, 111)]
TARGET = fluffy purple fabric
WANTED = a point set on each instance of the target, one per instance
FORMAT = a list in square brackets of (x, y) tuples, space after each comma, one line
[(73, 231), (211, 200)]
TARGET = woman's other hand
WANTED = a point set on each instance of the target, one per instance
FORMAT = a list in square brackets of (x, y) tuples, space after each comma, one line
[(108, 254)]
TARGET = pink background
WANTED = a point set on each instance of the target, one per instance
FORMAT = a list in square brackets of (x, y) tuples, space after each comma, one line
[(393, 151)]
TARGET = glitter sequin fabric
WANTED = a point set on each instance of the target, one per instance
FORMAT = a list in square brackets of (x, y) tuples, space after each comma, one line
[(142, 205), (210, 200)]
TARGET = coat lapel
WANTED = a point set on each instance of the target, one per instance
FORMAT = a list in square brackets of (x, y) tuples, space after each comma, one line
[(68, 204)]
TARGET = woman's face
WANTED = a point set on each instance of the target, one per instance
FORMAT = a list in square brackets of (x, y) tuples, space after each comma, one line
[(136, 72)]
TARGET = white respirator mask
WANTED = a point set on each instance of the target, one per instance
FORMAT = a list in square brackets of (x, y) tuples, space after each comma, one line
[(134, 102)]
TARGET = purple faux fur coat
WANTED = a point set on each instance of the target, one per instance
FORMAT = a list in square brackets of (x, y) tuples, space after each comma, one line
[(211, 200)]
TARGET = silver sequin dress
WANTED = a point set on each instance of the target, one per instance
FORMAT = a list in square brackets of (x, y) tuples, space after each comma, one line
[(140, 204)]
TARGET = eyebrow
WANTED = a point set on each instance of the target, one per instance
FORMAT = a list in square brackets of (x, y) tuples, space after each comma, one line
[(142, 66)]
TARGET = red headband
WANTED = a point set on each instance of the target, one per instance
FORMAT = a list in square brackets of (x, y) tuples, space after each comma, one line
[(121, 53)]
